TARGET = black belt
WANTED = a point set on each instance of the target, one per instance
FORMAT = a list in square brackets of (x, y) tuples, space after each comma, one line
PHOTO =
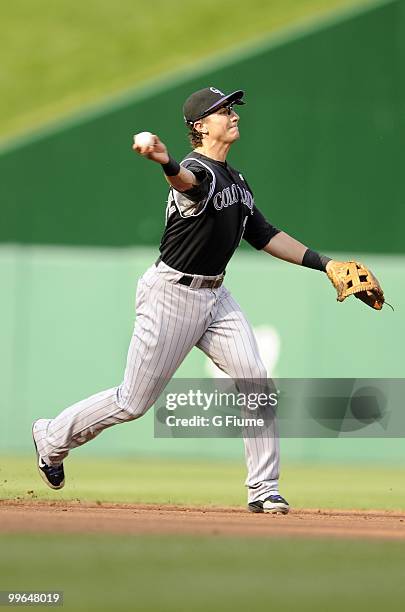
[(188, 279), (205, 284)]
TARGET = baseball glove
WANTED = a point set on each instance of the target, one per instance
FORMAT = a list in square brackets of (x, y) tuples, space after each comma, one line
[(353, 278)]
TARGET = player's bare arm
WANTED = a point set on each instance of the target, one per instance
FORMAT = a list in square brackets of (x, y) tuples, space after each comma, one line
[(286, 247), (176, 175), (289, 249)]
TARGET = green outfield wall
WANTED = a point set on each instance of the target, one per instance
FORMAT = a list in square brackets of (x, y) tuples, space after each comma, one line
[(66, 318), (321, 142)]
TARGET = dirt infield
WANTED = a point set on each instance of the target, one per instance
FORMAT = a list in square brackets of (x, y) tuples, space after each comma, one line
[(77, 517)]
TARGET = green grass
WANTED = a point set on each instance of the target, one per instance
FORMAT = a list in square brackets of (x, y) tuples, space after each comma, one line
[(205, 483), (59, 56), (174, 574)]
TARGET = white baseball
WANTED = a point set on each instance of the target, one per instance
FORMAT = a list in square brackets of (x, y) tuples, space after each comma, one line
[(144, 139)]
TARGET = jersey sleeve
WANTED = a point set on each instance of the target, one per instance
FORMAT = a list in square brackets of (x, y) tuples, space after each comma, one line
[(199, 192), (258, 231)]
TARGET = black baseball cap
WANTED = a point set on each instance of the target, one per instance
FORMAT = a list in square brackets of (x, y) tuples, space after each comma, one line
[(205, 101)]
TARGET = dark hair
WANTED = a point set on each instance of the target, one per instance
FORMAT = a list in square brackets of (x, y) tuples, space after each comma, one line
[(195, 137)]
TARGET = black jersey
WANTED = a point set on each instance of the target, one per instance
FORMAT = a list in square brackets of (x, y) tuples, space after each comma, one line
[(205, 225)]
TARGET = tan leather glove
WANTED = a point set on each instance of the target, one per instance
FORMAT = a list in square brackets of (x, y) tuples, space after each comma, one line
[(353, 278)]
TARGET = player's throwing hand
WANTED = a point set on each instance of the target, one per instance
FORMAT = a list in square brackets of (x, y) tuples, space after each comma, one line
[(150, 146)]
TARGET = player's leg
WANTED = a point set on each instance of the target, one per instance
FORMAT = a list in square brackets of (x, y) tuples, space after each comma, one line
[(170, 320), (230, 343)]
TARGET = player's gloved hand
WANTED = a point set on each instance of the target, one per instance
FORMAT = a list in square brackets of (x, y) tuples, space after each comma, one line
[(156, 151), (353, 278)]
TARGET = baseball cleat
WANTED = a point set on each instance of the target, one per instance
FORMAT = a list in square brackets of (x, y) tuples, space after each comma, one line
[(52, 475), (271, 505)]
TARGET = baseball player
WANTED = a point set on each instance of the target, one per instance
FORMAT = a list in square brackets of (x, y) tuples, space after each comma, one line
[(181, 300)]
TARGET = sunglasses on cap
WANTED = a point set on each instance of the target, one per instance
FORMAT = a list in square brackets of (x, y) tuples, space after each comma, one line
[(228, 108)]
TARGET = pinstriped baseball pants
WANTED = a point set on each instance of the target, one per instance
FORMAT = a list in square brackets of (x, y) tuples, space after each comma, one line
[(170, 320)]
